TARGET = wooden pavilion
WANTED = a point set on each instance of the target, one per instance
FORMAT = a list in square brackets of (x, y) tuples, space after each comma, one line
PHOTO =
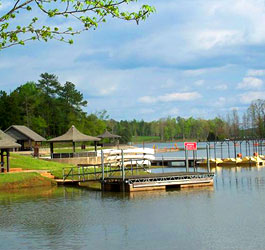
[(73, 135), (108, 135), (24, 136), (6, 143)]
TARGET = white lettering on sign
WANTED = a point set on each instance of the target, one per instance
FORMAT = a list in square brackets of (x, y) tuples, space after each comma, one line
[(190, 145)]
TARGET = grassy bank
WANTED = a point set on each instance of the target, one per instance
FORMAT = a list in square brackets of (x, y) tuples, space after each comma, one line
[(141, 139), (29, 163), (10, 181), (18, 180)]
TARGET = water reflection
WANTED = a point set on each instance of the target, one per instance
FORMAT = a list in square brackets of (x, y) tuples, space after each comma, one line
[(228, 215)]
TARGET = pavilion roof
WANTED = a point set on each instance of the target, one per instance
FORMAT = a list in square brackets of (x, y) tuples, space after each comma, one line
[(107, 134), (26, 132), (7, 141), (74, 135)]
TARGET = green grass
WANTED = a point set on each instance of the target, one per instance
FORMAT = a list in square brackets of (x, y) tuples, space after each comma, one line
[(16, 177), (9, 181), (140, 139), (30, 163)]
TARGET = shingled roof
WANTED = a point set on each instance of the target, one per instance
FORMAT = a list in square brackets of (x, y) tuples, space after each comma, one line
[(107, 134), (26, 132), (7, 141), (74, 135)]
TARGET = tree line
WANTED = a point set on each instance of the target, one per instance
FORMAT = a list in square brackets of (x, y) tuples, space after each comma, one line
[(50, 108)]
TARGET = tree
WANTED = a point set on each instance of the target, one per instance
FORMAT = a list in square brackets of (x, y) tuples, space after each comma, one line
[(27, 96), (19, 25)]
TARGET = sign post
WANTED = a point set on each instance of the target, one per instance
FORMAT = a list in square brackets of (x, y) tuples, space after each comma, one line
[(189, 146)]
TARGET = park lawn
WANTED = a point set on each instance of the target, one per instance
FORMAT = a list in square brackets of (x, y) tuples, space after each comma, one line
[(30, 163), (140, 139)]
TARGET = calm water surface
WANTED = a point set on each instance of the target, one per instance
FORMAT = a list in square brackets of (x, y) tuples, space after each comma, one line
[(230, 215)]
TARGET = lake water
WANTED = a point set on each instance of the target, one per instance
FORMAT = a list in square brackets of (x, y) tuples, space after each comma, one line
[(229, 215)]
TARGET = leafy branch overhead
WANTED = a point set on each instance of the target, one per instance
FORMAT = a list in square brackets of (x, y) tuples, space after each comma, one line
[(83, 15)]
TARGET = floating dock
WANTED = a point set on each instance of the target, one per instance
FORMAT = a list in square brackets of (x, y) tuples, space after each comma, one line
[(145, 182), (157, 181)]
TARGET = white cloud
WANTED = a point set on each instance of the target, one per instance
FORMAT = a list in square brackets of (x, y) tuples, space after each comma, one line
[(221, 101), (170, 97), (169, 83), (248, 97), (207, 39), (221, 87), (199, 82), (250, 83), (107, 90), (256, 72), (147, 99)]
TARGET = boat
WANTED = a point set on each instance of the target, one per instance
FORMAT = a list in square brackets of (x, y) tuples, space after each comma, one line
[(252, 161), (213, 162), (231, 161)]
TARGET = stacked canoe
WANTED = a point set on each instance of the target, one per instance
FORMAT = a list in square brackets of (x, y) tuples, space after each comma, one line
[(135, 156)]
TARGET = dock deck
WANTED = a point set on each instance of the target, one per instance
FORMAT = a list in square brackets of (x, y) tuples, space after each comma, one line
[(158, 181), (174, 161)]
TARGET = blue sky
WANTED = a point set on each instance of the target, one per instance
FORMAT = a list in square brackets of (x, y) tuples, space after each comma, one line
[(198, 58)]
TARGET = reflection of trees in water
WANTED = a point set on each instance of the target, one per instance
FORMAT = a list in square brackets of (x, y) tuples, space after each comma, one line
[(47, 217), (240, 178)]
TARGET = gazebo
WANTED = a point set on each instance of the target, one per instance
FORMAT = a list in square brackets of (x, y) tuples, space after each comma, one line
[(6, 143), (108, 135), (24, 136), (73, 135)]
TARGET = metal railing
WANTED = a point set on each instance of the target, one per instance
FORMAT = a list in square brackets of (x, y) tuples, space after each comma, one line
[(94, 172), (73, 155)]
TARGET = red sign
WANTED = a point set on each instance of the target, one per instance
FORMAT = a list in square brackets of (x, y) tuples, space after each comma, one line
[(190, 145)]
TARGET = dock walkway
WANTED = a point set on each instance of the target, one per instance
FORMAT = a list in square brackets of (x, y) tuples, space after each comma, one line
[(175, 161)]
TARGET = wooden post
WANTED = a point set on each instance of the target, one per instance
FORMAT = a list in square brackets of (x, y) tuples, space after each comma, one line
[(2, 161), (186, 160), (102, 164), (51, 149), (7, 160), (208, 160), (122, 165), (73, 146), (96, 145)]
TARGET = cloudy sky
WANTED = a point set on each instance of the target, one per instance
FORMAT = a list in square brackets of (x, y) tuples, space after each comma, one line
[(198, 58)]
